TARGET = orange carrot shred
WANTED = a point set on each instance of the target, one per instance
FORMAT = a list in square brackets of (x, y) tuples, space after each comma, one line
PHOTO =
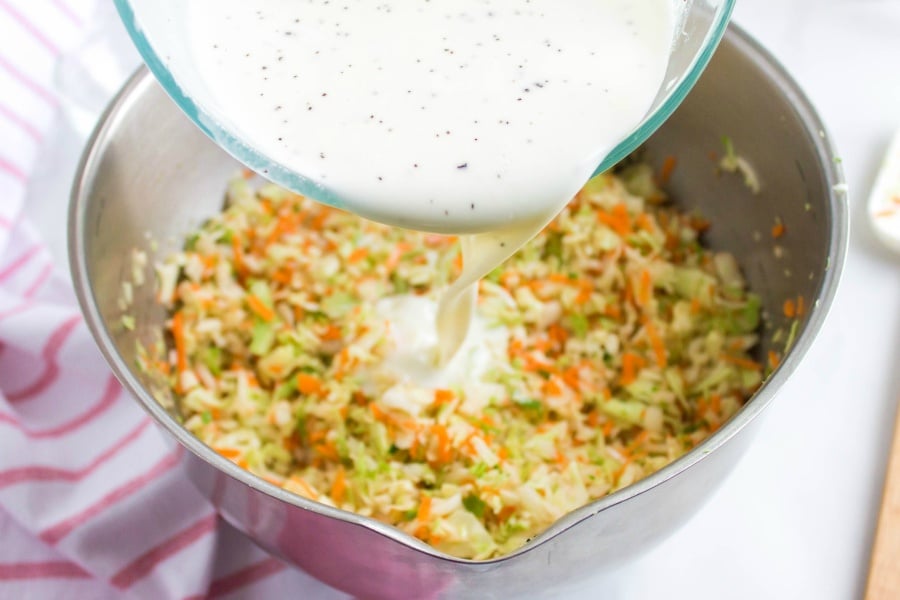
[(659, 349), (552, 388), (695, 306), (801, 306), (339, 487), (646, 289), (238, 251), (357, 255), (618, 220), (424, 509), (630, 364), (333, 332), (744, 363), (308, 384), (643, 222), (443, 438), (259, 307), (789, 308), (443, 396), (229, 453), (778, 230), (668, 166)]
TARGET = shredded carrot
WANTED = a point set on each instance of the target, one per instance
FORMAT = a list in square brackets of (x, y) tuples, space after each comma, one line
[(266, 205), (561, 459), (695, 306), (612, 311), (505, 513), (558, 334), (273, 480), (308, 384), (238, 251), (621, 470), (774, 359), (630, 364), (424, 509), (458, 261), (552, 387), (443, 439), (328, 450), (259, 307), (659, 349), (332, 332), (299, 313), (778, 229), (617, 220), (229, 453), (789, 308), (744, 363), (668, 166), (396, 254), (318, 221), (646, 289), (572, 377), (639, 440), (801, 306), (357, 255), (443, 396), (643, 222), (283, 276), (699, 224), (715, 403), (286, 223), (509, 279), (379, 414), (584, 293)]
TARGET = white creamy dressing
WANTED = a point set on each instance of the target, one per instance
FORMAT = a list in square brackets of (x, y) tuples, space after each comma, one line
[(479, 117), (414, 338)]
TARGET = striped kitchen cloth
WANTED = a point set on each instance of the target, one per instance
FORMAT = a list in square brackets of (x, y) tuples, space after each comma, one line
[(93, 503)]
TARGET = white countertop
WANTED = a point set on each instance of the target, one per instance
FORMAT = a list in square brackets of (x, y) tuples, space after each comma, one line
[(796, 517)]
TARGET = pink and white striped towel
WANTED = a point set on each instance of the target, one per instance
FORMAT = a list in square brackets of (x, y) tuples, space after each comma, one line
[(93, 503)]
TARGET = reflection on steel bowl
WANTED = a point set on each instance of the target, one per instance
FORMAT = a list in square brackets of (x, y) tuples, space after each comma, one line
[(166, 181)]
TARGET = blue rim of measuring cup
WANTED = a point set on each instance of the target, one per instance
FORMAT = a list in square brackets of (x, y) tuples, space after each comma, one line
[(279, 174)]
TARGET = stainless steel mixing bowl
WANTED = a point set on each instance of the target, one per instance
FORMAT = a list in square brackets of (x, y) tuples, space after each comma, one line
[(149, 172)]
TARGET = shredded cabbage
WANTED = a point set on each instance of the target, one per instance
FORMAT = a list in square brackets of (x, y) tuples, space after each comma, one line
[(628, 345)]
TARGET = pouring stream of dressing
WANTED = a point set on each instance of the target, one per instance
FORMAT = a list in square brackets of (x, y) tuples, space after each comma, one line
[(475, 117)]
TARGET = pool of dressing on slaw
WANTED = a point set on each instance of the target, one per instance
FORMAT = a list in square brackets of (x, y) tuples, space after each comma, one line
[(474, 117)]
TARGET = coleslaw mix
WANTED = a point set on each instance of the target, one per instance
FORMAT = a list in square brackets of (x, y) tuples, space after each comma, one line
[(625, 343)]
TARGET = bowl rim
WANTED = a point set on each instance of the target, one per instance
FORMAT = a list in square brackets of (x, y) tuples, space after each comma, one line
[(838, 245)]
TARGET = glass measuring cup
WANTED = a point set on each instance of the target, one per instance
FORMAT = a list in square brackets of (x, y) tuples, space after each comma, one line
[(160, 37)]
